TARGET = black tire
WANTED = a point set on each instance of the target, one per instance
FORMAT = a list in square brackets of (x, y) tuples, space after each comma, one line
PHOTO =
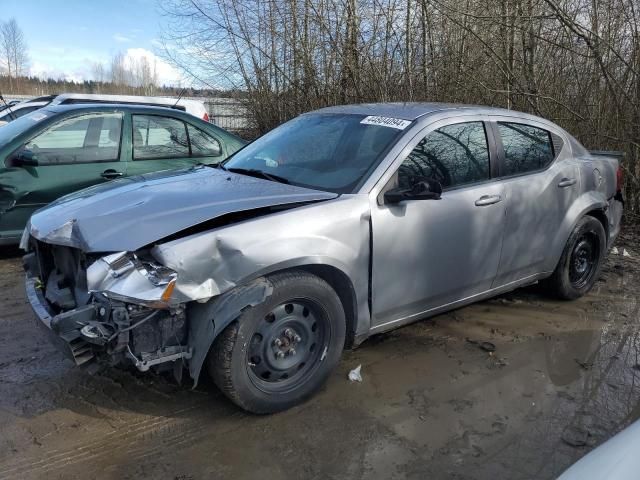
[(581, 261), (259, 374)]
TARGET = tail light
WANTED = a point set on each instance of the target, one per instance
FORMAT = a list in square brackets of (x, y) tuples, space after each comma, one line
[(205, 117), (619, 179)]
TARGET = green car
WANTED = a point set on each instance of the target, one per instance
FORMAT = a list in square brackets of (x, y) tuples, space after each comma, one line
[(60, 149)]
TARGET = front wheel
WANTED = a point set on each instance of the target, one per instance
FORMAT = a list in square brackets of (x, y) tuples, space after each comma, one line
[(280, 352), (581, 261)]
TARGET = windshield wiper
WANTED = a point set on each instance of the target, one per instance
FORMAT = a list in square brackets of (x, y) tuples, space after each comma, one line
[(254, 172)]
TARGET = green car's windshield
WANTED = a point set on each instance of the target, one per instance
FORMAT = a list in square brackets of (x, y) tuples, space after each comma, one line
[(331, 152), (9, 131)]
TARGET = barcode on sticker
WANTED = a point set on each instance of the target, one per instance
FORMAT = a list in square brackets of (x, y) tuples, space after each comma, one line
[(398, 123)]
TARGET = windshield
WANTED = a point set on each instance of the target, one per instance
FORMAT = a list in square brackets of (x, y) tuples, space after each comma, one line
[(331, 152), (9, 131)]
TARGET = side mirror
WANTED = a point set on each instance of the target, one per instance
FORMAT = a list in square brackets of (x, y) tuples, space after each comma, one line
[(425, 189), (24, 158)]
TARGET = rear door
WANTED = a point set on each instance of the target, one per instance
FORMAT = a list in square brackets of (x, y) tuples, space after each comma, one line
[(71, 154), (541, 181), (163, 142)]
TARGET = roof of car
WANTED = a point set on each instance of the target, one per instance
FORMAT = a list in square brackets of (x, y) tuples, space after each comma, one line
[(191, 105), (413, 110), (110, 106), (122, 98)]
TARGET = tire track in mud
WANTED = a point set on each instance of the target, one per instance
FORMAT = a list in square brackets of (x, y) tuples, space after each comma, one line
[(132, 441)]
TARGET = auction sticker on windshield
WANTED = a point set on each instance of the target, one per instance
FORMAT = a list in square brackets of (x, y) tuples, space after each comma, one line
[(398, 123)]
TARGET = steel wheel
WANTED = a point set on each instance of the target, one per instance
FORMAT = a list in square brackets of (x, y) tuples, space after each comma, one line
[(584, 260), (287, 345), (278, 353), (581, 261)]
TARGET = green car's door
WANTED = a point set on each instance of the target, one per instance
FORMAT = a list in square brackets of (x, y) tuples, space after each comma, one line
[(69, 155), (165, 142)]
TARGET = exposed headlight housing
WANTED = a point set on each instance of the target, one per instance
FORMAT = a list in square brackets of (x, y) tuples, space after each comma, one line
[(125, 276)]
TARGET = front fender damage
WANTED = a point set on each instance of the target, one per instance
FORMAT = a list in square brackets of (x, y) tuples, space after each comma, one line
[(208, 313), (202, 282), (208, 319)]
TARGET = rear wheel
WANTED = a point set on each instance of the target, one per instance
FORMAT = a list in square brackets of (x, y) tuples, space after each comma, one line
[(278, 353), (581, 261)]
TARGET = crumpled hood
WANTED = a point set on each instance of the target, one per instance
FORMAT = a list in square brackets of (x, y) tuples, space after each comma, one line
[(133, 212)]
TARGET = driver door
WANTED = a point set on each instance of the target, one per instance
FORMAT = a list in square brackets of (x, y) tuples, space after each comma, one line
[(430, 253)]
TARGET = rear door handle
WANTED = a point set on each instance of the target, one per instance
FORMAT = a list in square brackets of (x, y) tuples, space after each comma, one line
[(111, 174), (566, 182), (485, 200)]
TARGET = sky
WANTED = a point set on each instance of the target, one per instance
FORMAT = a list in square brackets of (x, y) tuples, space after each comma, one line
[(65, 37)]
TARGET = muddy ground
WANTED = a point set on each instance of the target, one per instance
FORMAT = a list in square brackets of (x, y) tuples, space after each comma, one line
[(565, 376)]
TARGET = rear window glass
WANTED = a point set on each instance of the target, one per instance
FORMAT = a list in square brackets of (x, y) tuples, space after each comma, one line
[(159, 137), (526, 148)]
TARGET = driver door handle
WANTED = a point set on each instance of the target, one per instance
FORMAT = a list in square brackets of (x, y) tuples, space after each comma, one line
[(109, 174), (566, 182), (485, 200)]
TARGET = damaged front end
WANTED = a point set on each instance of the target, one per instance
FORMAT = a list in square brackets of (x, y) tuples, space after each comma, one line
[(86, 302), (153, 278)]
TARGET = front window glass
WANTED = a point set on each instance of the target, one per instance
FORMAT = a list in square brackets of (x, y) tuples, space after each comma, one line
[(83, 139), (331, 152), (159, 137), (453, 155)]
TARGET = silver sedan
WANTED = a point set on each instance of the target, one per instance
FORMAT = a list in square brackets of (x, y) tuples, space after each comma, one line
[(341, 223)]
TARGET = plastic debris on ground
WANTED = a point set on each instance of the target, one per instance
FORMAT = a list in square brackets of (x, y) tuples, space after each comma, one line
[(614, 251), (486, 346), (625, 253), (355, 375)]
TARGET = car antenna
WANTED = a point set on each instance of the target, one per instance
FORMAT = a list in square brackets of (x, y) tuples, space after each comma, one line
[(179, 97), (11, 114)]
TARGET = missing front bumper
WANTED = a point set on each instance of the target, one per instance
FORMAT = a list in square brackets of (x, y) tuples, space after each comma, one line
[(146, 344), (69, 342)]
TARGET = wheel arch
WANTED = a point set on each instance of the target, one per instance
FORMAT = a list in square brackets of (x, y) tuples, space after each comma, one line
[(207, 320), (589, 203), (601, 216), (342, 285)]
